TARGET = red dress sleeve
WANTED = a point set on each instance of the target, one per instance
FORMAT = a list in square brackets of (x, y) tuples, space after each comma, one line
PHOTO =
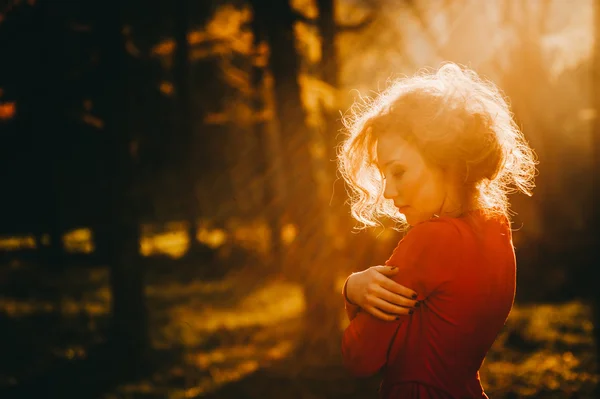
[(425, 258)]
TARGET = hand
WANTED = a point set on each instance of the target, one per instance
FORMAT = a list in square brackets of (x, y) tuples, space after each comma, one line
[(375, 292)]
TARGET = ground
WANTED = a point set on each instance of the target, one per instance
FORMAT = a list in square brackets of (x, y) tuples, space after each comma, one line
[(239, 336)]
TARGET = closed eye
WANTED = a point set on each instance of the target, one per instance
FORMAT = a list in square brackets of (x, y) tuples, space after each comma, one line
[(395, 175)]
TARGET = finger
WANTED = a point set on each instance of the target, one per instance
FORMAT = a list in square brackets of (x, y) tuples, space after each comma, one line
[(387, 270), (394, 298), (390, 308), (399, 289), (379, 314)]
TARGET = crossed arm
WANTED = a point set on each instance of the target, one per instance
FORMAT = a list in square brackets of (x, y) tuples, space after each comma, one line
[(424, 259)]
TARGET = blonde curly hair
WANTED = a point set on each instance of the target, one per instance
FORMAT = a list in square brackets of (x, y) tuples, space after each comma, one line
[(457, 121)]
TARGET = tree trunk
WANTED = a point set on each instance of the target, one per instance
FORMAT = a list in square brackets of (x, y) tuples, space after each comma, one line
[(284, 63), (329, 69), (308, 255), (49, 127), (185, 137), (595, 211), (129, 335), (269, 146), (329, 54)]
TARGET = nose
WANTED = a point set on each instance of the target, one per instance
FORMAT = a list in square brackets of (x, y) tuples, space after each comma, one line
[(390, 191)]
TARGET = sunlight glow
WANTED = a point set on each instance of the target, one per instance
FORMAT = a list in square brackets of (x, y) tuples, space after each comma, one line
[(172, 240), (253, 235), (289, 233), (219, 377), (67, 307), (79, 240), (93, 121), (17, 242), (171, 243), (268, 305), (213, 238), (166, 88), (228, 25), (7, 110)]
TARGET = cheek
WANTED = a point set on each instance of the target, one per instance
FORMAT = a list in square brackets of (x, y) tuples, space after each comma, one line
[(429, 194), (408, 189)]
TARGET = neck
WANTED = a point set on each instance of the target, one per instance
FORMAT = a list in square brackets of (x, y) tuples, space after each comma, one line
[(456, 203)]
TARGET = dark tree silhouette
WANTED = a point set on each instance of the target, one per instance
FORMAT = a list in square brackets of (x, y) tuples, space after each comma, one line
[(181, 73), (37, 72), (329, 73), (269, 163), (191, 162), (595, 215), (129, 324)]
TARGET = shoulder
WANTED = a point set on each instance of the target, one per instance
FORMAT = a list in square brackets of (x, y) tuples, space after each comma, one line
[(429, 254), (437, 240)]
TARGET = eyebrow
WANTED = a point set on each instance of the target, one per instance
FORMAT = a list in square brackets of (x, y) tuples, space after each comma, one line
[(389, 162)]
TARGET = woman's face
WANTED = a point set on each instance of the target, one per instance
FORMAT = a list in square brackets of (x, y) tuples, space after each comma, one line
[(419, 190)]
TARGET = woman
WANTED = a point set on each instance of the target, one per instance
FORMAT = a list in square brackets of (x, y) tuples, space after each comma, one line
[(437, 153)]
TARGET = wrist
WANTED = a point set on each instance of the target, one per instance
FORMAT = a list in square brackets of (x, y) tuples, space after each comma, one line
[(345, 291)]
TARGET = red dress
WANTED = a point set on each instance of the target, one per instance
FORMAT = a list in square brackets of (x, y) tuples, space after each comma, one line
[(463, 270)]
